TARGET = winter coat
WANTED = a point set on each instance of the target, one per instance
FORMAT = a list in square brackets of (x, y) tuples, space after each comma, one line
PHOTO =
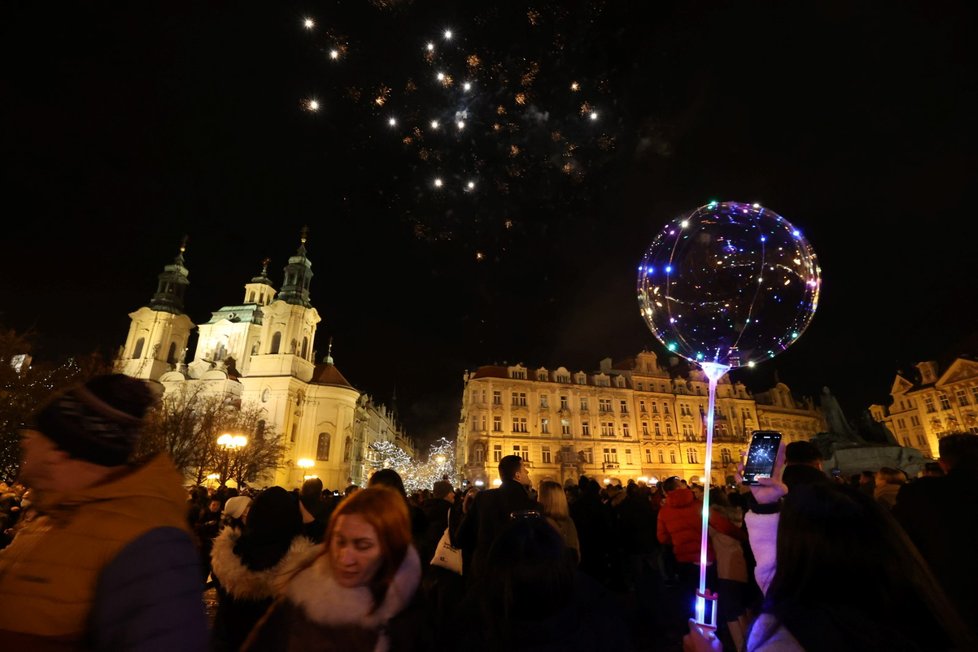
[(568, 532), (681, 525), (316, 613), (112, 566), (244, 595), (487, 517)]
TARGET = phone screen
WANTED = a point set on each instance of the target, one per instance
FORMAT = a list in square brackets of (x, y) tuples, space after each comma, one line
[(761, 455)]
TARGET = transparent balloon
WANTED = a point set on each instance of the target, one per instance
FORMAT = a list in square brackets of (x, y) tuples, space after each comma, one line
[(728, 284)]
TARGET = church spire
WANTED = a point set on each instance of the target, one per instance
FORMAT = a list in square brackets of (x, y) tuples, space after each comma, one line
[(260, 289), (298, 274), (172, 284)]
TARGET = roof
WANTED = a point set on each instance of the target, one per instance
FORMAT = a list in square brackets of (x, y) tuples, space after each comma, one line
[(491, 371), (246, 313), (327, 374)]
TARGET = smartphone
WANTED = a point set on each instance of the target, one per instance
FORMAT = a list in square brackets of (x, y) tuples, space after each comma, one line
[(836, 473), (761, 455)]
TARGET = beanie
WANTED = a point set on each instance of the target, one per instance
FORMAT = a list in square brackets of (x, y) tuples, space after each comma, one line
[(235, 507), (98, 421)]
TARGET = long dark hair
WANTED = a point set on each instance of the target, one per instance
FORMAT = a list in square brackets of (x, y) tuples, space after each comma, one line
[(848, 577)]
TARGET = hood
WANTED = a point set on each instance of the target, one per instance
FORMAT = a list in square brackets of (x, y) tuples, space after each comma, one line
[(681, 497), (317, 594), (155, 484), (245, 583)]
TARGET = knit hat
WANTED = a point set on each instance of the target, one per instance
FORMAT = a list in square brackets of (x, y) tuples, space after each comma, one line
[(441, 489), (98, 421)]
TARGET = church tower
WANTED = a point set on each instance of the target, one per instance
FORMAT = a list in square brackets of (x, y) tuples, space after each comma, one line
[(158, 332), (289, 323)]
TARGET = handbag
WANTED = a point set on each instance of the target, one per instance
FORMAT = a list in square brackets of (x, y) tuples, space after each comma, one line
[(447, 556)]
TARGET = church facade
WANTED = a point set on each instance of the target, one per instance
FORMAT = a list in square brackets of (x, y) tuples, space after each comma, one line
[(261, 351)]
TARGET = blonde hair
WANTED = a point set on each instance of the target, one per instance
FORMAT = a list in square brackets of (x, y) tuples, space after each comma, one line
[(553, 499)]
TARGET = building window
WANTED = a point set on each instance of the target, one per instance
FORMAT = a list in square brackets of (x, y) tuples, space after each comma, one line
[(545, 455), (974, 394), (624, 430), (945, 403), (497, 424), (482, 422), (138, 351), (684, 410), (658, 429), (519, 375), (607, 429), (914, 421), (583, 405), (648, 455), (322, 447), (645, 428), (519, 424), (588, 456), (483, 396), (672, 457), (585, 428), (662, 458), (604, 405), (276, 343), (624, 406), (725, 456), (669, 429), (962, 396), (655, 408), (665, 409), (921, 440), (628, 456), (544, 400), (929, 404), (563, 403), (687, 431), (478, 454), (691, 455), (295, 429), (497, 397), (475, 423), (519, 398), (565, 427), (347, 449), (545, 426), (906, 441), (522, 451), (305, 348), (641, 404), (171, 355), (611, 455), (497, 453)]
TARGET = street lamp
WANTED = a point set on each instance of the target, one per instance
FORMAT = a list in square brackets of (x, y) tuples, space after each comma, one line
[(305, 463), (230, 444)]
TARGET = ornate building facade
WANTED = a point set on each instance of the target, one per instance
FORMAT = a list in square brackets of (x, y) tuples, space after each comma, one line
[(262, 351), (631, 420), (932, 403)]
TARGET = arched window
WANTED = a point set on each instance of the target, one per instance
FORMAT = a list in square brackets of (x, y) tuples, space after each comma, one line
[(322, 447), (347, 449), (251, 297), (171, 355), (292, 346), (138, 351), (276, 343), (305, 348)]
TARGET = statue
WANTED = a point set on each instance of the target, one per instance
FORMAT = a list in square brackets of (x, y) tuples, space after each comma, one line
[(835, 419), (875, 431)]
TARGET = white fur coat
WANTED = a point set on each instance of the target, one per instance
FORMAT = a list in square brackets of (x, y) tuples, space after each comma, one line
[(315, 591), (246, 584)]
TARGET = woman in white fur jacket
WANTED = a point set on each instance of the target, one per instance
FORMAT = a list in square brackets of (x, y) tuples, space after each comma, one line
[(252, 563), (359, 594)]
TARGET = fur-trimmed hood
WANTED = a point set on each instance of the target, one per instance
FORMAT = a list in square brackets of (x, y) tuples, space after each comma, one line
[(244, 583), (315, 591)]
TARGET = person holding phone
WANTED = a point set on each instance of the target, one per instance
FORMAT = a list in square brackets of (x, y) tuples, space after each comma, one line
[(837, 573)]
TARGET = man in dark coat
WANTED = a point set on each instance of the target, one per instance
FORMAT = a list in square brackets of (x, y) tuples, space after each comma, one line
[(491, 510), (436, 512), (941, 517)]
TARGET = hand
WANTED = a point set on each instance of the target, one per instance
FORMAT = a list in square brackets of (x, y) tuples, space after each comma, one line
[(701, 639), (768, 490)]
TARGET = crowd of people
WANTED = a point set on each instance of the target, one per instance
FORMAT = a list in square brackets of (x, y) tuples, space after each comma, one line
[(101, 552)]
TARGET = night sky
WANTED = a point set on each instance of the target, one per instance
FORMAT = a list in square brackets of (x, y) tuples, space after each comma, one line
[(125, 130)]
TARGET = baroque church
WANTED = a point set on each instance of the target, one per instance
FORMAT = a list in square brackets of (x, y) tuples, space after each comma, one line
[(261, 351)]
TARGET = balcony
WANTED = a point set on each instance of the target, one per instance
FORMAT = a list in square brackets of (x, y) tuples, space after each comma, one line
[(610, 466)]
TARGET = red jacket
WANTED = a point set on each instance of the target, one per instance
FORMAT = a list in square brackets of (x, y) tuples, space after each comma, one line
[(680, 525)]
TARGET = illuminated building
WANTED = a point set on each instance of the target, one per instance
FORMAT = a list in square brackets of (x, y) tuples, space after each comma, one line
[(262, 351), (928, 404), (628, 421)]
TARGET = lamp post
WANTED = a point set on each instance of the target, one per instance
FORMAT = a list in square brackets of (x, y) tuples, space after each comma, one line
[(230, 444)]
